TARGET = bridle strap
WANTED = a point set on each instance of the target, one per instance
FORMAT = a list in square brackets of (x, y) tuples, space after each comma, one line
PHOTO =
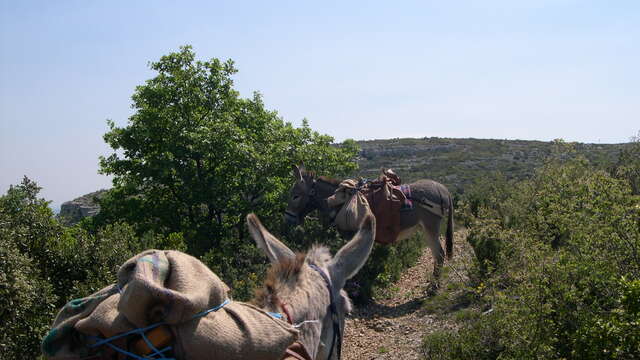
[(337, 331)]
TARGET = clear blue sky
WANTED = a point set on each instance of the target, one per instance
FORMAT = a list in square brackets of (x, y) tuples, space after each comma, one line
[(526, 69)]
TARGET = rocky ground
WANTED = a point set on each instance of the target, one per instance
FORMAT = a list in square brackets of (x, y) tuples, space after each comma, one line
[(392, 327)]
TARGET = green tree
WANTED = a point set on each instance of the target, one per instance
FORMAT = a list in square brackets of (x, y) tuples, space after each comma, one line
[(195, 157), (26, 298), (32, 230)]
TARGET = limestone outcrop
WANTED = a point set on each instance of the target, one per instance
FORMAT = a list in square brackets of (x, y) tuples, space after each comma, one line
[(71, 212)]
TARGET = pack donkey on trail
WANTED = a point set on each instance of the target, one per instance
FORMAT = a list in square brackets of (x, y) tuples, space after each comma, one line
[(430, 202), (168, 305)]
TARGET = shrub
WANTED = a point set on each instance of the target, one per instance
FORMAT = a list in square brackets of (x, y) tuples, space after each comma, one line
[(26, 300), (480, 340), (550, 256), (44, 264)]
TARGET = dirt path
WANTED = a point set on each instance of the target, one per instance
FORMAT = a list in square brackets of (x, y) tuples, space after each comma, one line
[(393, 327)]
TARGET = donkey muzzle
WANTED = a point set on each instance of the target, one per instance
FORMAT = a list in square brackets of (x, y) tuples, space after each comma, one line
[(291, 218)]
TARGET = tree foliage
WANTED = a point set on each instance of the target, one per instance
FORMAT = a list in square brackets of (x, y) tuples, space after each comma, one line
[(195, 157), (26, 298)]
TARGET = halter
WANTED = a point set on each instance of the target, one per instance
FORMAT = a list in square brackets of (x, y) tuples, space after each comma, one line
[(337, 331)]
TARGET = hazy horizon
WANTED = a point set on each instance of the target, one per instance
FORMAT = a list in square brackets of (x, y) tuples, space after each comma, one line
[(527, 70)]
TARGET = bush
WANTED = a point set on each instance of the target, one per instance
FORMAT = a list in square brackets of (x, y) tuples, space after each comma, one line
[(44, 264), (480, 340), (614, 334), (26, 300), (486, 237), (550, 257)]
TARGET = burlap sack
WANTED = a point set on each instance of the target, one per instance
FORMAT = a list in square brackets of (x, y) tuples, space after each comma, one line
[(171, 287), (353, 207)]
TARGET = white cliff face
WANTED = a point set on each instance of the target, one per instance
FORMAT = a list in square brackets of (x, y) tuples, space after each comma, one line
[(71, 212)]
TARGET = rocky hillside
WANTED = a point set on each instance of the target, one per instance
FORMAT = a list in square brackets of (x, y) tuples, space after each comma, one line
[(71, 212), (458, 162), (453, 162)]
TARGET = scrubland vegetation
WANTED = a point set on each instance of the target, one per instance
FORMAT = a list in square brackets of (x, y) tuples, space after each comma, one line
[(557, 269), (459, 163)]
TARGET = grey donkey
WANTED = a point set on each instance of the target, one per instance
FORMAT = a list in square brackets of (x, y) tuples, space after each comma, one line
[(432, 201), (307, 288)]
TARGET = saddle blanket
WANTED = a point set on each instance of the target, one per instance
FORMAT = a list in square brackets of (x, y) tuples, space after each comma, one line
[(408, 203)]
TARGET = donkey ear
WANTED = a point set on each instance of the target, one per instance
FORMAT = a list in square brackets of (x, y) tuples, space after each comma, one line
[(354, 254), (302, 168), (297, 173), (272, 247)]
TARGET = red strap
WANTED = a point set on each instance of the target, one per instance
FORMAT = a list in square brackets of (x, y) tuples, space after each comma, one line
[(286, 312)]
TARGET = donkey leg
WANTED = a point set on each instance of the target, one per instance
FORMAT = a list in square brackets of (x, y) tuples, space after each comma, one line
[(438, 253), (432, 230)]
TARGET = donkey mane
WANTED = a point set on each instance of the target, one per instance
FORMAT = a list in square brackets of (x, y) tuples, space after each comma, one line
[(329, 180), (308, 174)]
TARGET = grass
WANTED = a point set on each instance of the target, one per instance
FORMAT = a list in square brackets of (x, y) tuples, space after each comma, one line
[(466, 315)]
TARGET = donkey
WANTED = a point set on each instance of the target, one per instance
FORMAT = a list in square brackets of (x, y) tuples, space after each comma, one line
[(310, 192), (168, 305), (309, 286)]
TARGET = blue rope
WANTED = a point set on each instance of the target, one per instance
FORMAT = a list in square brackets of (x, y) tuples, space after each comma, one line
[(152, 347), (275, 315), (130, 354), (141, 331), (211, 310)]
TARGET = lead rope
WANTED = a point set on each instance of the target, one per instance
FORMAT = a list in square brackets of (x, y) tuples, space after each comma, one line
[(337, 331)]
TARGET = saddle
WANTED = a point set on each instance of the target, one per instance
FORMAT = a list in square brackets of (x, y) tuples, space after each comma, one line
[(385, 199)]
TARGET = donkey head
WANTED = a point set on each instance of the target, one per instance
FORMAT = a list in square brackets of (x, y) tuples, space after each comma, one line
[(302, 195), (308, 287)]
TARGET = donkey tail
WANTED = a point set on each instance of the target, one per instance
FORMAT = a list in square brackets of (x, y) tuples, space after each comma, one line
[(449, 241)]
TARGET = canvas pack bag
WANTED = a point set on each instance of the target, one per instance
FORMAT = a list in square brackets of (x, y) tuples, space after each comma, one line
[(351, 204), (378, 197), (184, 303)]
